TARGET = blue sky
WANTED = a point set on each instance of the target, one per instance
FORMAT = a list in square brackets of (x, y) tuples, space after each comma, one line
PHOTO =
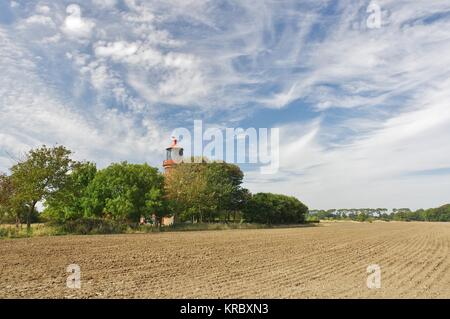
[(364, 114)]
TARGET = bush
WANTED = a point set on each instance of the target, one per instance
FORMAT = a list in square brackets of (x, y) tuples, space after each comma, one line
[(124, 191), (5, 232), (362, 217), (84, 226), (36, 230), (312, 219), (268, 208)]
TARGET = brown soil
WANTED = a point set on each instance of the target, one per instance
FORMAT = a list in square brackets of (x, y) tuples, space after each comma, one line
[(327, 261)]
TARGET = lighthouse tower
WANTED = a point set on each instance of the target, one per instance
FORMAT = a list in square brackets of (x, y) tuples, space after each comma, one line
[(174, 155)]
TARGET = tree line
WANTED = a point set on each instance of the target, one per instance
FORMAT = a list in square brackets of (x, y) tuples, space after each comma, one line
[(439, 214), (71, 190)]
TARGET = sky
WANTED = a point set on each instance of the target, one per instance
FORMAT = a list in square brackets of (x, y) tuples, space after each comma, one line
[(363, 112)]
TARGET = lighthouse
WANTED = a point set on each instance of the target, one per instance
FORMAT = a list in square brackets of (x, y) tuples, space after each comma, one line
[(174, 155)]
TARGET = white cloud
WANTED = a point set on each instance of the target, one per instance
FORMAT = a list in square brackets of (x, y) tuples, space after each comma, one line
[(43, 9), (34, 113), (380, 167), (40, 19), (51, 39), (105, 4), (387, 62), (116, 50)]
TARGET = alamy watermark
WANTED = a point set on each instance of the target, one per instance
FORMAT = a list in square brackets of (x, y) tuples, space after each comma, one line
[(232, 145), (74, 279), (374, 20), (374, 277)]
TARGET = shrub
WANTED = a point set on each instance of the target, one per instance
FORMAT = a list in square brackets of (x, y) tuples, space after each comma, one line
[(268, 208), (312, 219), (84, 226), (5, 232), (36, 230)]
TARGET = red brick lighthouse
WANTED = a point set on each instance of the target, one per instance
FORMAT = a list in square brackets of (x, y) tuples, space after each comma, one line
[(174, 156)]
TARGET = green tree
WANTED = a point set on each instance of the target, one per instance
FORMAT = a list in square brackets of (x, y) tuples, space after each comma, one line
[(402, 214), (205, 191), (125, 192), (268, 208), (362, 217), (440, 214), (40, 175), (186, 191), (223, 182), (7, 207), (67, 202), (443, 213)]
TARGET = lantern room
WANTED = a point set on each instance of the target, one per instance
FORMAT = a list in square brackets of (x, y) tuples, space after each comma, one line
[(174, 155)]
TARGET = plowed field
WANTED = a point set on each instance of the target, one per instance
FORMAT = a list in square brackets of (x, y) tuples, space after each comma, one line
[(327, 261)]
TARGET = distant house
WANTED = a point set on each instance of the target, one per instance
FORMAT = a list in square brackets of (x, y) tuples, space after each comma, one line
[(167, 221)]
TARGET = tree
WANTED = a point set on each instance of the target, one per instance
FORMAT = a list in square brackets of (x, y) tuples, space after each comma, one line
[(41, 174), (205, 191), (238, 202), (11, 209), (6, 198), (125, 192), (362, 217), (223, 182), (268, 208), (401, 214), (67, 202), (441, 213), (187, 191), (325, 214)]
